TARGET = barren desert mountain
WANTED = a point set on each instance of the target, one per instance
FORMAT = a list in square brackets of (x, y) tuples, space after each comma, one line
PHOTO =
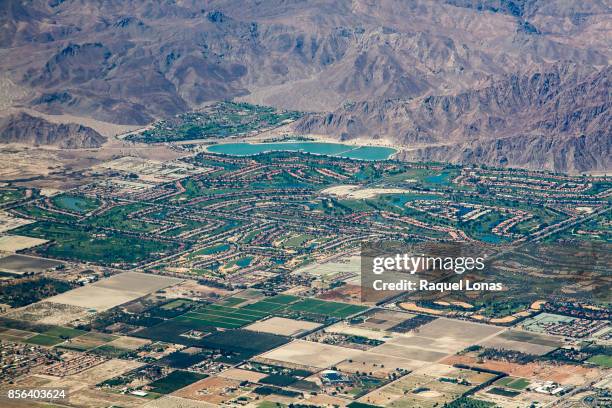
[(379, 65), (26, 129), (557, 119)]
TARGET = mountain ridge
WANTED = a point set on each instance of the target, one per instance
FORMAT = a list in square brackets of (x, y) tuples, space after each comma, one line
[(132, 63), (27, 129)]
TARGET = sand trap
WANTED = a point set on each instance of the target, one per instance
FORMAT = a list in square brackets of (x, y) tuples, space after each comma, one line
[(354, 191)]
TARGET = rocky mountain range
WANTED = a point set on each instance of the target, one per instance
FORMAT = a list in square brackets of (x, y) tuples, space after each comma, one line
[(35, 131), (429, 75), (557, 119)]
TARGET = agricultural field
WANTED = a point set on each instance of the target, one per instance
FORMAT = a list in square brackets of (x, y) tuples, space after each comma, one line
[(175, 381), (601, 360), (431, 387), (309, 354), (27, 264), (222, 316), (41, 335), (14, 243), (525, 342), (283, 326), (113, 291)]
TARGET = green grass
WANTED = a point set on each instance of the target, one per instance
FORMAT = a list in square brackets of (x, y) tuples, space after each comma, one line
[(73, 242), (601, 360), (270, 404), (278, 379), (332, 309), (232, 301), (176, 303), (503, 392), (64, 332), (282, 299), (108, 351), (222, 316), (513, 382), (264, 306), (122, 218), (279, 304), (465, 402), (44, 340), (240, 262), (6, 196), (222, 119), (355, 404)]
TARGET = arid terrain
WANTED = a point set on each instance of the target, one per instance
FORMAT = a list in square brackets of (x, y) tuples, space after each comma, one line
[(520, 83)]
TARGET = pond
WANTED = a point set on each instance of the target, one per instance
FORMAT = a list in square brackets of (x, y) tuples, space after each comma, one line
[(369, 153)]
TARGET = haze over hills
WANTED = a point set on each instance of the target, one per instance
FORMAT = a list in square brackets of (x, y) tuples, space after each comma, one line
[(24, 128), (500, 82)]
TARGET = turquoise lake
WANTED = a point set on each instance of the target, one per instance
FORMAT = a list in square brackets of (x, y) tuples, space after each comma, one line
[(328, 149)]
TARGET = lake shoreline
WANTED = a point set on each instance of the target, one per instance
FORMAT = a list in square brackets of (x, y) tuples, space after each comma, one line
[(330, 149)]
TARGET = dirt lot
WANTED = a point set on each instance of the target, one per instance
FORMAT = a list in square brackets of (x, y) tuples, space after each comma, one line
[(385, 319), (401, 393), (23, 264), (129, 343), (191, 289), (13, 243), (458, 330), (432, 342), (114, 291), (379, 365), (412, 353), (357, 192), (524, 399), (48, 313), (311, 354), (15, 335), (88, 341), (283, 326), (242, 375), (323, 400), (8, 222), (170, 401), (562, 374), (348, 293), (357, 330), (214, 390), (525, 342), (329, 269)]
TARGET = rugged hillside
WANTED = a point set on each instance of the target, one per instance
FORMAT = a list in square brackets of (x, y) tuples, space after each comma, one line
[(130, 62), (557, 119), (27, 129), (579, 154)]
